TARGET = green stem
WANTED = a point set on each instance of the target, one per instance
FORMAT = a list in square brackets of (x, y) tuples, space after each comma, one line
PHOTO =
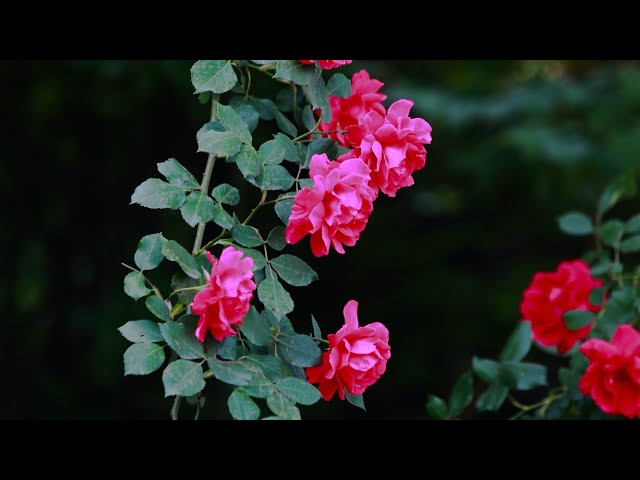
[(186, 289), (300, 137), (204, 186), (211, 243), (257, 207)]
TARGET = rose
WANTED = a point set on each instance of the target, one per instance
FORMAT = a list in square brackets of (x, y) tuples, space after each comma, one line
[(356, 359), (392, 146), (550, 295), (327, 64), (612, 378), (336, 209), (225, 299), (347, 112)]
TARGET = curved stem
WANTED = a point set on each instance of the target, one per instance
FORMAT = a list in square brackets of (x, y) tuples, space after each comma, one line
[(153, 287), (204, 186), (211, 243), (300, 137), (258, 207)]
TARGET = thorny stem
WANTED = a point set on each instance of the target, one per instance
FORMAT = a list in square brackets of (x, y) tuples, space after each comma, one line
[(204, 186)]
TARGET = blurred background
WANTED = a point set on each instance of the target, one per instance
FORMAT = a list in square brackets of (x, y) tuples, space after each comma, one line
[(443, 265)]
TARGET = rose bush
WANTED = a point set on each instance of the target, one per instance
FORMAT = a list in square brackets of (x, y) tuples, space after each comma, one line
[(228, 309)]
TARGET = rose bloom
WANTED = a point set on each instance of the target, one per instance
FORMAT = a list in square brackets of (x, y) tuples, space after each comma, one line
[(613, 375), (336, 209), (356, 359), (327, 64), (391, 145), (346, 112), (550, 295), (224, 301)]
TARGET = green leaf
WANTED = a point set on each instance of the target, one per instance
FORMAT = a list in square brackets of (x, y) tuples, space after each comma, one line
[(198, 208), (611, 232), (154, 193), (487, 370), (298, 390), (523, 376), (633, 224), (242, 407), (282, 406), (316, 328), (182, 377), (215, 76), (318, 147), (291, 151), (143, 358), (596, 297), (631, 244), (436, 408), (273, 177), (602, 267), (158, 307), (248, 161), (519, 343), (357, 400), (134, 285), (263, 106), (285, 124), (221, 217), (141, 331), (623, 186), (284, 100), (256, 328), (246, 235), (461, 395), (299, 350), (264, 62), (258, 258), (182, 341), (308, 120), (271, 152), (249, 115), (225, 193), (228, 348), (149, 253), (339, 86), (233, 373), (174, 252), (180, 280), (492, 398), (273, 295), (295, 71), (577, 319), (276, 238), (177, 174), (232, 122), (318, 95), (575, 223), (223, 144), (283, 207), (293, 270)]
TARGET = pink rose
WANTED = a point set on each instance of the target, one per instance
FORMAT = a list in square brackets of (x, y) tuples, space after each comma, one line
[(225, 300), (346, 112), (613, 375), (392, 146), (336, 209), (327, 64), (356, 359)]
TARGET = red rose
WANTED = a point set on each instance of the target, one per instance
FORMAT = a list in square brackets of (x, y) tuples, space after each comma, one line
[(551, 295), (613, 376), (356, 359)]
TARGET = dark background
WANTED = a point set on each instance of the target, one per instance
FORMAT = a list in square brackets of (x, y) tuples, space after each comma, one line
[(443, 265)]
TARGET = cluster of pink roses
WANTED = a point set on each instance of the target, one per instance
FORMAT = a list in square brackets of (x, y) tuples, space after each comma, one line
[(386, 148), (612, 378)]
